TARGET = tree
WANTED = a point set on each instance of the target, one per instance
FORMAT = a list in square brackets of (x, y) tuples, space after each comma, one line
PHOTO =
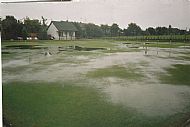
[(93, 30), (133, 30), (10, 28), (161, 31), (114, 30), (151, 31), (106, 30), (81, 33), (170, 30), (43, 30), (24, 33), (32, 26), (44, 21)]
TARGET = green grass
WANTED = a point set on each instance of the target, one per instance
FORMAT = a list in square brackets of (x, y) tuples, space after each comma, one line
[(98, 43), (178, 75), (54, 105), (166, 45), (185, 55), (47, 105), (116, 71), (163, 38), (185, 58)]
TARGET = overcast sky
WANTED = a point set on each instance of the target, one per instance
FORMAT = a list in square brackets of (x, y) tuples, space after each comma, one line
[(143, 12)]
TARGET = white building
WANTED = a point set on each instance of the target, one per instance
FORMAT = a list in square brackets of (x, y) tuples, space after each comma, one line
[(62, 30)]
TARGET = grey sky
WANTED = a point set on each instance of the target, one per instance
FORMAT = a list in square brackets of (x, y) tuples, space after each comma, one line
[(143, 12)]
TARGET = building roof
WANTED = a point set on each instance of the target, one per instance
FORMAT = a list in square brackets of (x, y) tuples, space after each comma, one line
[(64, 26)]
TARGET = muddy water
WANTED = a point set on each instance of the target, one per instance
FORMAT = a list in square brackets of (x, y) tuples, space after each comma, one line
[(147, 96)]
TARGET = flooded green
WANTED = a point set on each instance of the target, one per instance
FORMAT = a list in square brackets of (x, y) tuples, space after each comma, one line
[(100, 83), (79, 48), (24, 47)]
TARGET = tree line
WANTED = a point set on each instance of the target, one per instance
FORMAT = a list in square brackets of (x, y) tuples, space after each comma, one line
[(92, 30), (13, 29)]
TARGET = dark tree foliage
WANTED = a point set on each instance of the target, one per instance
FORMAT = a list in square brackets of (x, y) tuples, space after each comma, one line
[(161, 31), (14, 29), (106, 30), (93, 30), (114, 30), (11, 28), (88, 30), (165, 31), (133, 30), (79, 32), (150, 31), (42, 35), (32, 26), (24, 32)]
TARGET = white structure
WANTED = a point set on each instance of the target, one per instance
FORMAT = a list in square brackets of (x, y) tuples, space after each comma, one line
[(62, 30)]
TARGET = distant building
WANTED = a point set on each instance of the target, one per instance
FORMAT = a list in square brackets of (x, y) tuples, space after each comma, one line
[(62, 30)]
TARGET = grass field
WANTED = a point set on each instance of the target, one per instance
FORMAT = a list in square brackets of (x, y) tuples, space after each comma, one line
[(161, 38), (179, 75), (104, 84)]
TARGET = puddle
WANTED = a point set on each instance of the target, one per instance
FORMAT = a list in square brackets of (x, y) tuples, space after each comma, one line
[(150, 99), (78, 48), (4, 52), (127, 43), (187, 47), (15, 63), (132, 45), (25, 47)]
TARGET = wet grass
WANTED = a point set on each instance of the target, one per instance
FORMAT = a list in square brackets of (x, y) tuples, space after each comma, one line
[(187, 57), (67, 105), (116, 50), (98, 43), (41, 104), (166, 44), (8, 56), (116, 71), (178, 75), (24, 47), (82, 53)]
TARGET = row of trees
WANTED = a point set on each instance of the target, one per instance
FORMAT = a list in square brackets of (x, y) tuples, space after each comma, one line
[(92, 30), (13, 28)]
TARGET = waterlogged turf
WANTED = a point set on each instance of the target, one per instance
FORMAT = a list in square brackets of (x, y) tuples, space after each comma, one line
[(116, 87), (178, 74), (116, 71), (55, 104)]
